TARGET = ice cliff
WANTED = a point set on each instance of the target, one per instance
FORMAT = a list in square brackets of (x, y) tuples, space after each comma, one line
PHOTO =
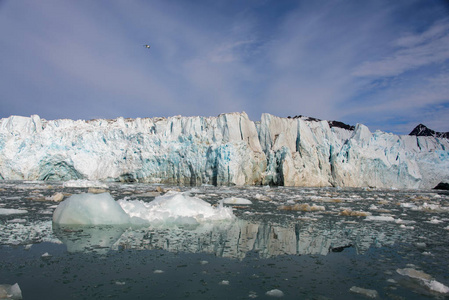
[(228, 149)]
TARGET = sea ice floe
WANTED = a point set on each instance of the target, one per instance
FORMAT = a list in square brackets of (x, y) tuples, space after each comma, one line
[(426, 279), (302, 207), (365, 292), (12, 211), (353, 213), (235, 200), (380, 218), (84, 183)]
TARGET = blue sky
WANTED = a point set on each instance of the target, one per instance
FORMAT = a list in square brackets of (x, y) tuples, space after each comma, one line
[(382, 63)]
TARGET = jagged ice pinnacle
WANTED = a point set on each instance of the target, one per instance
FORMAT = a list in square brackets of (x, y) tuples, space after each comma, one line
[(226, 150)]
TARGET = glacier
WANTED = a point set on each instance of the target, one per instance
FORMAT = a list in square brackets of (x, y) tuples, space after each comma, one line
[(229, 149)]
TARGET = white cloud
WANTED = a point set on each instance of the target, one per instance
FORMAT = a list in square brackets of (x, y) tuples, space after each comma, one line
[(325, 59), (413, 51)]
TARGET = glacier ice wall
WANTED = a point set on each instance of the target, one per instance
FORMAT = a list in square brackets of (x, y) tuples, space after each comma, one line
[(228, 149)]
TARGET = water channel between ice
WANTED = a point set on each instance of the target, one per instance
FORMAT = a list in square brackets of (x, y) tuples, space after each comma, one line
[(294, 243)]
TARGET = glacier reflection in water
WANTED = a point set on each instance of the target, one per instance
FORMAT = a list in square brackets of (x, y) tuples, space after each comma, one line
[(307, 242), (231, 239)]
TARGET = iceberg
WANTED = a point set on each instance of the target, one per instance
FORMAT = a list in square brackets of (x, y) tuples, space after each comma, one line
[(171, 208), (226, 150), (175, 208), (90, 209), (8, 291)]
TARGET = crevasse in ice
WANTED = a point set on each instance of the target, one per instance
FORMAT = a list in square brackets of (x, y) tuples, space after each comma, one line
[(228, 149)]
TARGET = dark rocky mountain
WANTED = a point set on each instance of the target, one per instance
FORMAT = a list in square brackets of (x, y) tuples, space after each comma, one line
[(331, 123), (423, 130), (442, 186)]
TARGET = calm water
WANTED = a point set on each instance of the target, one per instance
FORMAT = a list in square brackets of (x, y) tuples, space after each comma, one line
[(307, 243)]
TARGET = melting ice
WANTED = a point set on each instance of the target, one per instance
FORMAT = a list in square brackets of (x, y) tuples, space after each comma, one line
[(306, 242), (173, 207)]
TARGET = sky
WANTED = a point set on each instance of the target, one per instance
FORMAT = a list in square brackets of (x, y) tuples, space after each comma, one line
[(381, 63)]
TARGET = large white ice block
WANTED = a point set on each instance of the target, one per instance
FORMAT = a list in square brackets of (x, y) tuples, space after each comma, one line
[(90, 209), (175, 207)]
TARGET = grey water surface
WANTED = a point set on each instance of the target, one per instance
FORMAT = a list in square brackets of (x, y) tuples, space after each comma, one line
[(292, 243)]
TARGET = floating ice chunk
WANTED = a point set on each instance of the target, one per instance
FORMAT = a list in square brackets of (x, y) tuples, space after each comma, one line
[(426, 279), (421, 245), (437, 286), (175, 207), (413, 273), (380, 218), (120, 283), (224, 282), (262, 197), (235, 200), (158, 272), (17, 221), (57, 197), (275, 293), (45, 255), (366, 292), (435, 221), (84, 183), (8, 291), (90, 209), (11, 211), (302, 207), (353, 213), (408, 205)]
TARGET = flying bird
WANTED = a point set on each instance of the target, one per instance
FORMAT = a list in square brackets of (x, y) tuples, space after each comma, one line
[(147, 46)]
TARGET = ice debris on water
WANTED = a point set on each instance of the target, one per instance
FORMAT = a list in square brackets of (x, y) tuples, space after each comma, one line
[(380, 218), (354, 213), (90, 209), (275, 293), (224, 282), (175, 207), (426, 279), (235, 200), (11, 211), (302, 207), (8, 291), (84, 183), (57, 197), (365, 292)]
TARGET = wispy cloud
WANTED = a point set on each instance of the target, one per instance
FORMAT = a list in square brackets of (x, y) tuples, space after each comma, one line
[(348, 60), (412, 51)]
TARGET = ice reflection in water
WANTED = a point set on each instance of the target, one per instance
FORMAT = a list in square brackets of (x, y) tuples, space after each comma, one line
[(234, 240), (360, 238)]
